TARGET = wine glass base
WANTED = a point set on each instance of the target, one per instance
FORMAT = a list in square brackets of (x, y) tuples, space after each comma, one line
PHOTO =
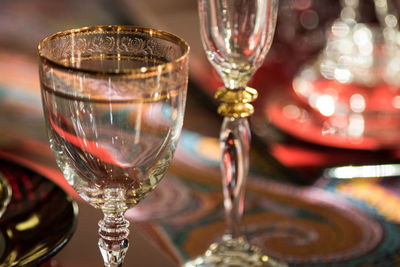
[(233, 252)]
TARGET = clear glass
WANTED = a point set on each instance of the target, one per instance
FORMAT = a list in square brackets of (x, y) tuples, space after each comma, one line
[(113, 99), (236, 35)]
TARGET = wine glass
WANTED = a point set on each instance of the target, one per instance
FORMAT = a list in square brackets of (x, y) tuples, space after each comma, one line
[(236, 35), (113, 100)]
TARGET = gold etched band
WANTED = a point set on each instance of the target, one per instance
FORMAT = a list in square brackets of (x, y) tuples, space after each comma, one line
[(236, 102)]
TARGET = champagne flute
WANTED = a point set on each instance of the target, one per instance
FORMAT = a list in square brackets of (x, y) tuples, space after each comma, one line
[(236, 35), (113, 99)]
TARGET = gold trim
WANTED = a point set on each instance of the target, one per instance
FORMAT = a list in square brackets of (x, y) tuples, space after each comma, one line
[(237, 110), (117, 29), (236, 102)]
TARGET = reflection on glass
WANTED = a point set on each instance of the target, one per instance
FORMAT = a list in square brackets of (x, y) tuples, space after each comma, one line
[(5, 194)]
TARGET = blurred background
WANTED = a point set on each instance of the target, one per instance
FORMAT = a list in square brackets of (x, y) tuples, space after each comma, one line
[(323, 187)]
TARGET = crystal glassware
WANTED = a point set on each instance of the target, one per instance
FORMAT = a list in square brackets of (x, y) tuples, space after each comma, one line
[(353, 84), (113, 99), (236, 35)]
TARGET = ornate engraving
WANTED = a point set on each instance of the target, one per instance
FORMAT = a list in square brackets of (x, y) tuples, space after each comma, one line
[(83, 44), (70, 50)]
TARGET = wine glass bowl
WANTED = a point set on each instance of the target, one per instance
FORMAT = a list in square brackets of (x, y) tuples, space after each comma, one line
[(113, 99), (236, 36)]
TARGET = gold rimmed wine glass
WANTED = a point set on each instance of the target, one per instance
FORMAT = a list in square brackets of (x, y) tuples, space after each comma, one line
[(236, 35), (113, 99)]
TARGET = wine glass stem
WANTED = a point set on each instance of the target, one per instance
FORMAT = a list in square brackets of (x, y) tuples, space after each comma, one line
[(235, 144), (113, 242)]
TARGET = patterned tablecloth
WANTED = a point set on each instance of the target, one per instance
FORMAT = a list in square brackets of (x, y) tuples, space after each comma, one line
[(345, 223)]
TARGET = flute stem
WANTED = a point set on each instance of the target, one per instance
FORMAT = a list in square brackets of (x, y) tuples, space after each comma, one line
[(235, 145)]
